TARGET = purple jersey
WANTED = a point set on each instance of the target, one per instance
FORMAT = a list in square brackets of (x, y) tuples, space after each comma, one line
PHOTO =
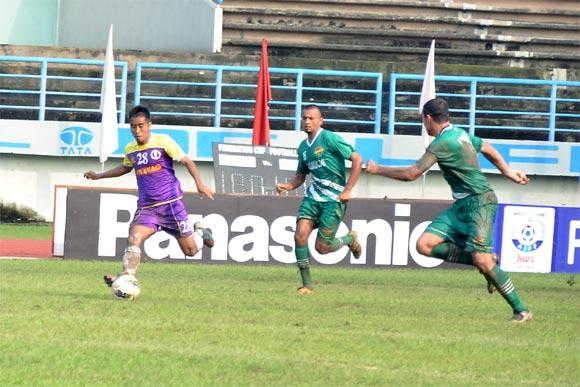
[(153, 165)]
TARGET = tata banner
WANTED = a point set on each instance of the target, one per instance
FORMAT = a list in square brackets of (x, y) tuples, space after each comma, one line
[(82, 139), (94, 223)]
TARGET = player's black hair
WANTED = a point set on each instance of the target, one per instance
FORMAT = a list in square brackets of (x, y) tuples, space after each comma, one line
[(313, 106), (140, 110), (438, 109)]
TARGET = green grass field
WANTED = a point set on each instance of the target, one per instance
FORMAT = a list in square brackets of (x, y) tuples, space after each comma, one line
[(36, 231), (226, 325)]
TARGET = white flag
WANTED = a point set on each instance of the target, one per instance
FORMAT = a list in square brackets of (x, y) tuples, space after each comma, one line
[(108, 108), (428, 89)]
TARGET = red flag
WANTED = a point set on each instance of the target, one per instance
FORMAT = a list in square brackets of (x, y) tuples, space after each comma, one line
[(261, 135)]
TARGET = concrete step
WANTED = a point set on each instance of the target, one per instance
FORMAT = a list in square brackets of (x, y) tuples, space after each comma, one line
[(371, 38), (538, 11), (402, 22), (406, 56)]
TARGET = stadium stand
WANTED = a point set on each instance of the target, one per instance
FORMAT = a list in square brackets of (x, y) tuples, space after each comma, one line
[(532, 34)]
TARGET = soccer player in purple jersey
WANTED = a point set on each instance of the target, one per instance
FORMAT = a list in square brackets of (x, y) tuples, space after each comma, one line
[(160, 204)]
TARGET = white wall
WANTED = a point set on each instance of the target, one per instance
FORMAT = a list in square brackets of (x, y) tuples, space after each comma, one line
[(163, 25), (160, 25), (30, 22), (29, 180)]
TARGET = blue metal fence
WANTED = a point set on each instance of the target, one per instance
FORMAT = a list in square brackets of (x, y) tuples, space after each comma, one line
[(550, 108), (544, 110), (228, 93), (42, 85)]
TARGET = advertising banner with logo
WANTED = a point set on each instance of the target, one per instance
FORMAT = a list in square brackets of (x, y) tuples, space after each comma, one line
[(538, 239), (247, 229), (94, 224), (528, 238), (567, 241), (83, 138)]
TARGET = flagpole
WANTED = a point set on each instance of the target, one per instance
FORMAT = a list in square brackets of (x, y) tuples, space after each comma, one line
[(427, 93), (108, 106)]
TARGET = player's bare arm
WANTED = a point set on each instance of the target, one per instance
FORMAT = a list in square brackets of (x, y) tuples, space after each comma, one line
[(425, 162), (496, 159), (194, 172), (296, 182), (114, 172), (409, 173), (355, 171)]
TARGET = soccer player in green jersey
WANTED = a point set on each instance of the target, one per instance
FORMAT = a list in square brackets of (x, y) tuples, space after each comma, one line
[(322, 154), (464, 232)]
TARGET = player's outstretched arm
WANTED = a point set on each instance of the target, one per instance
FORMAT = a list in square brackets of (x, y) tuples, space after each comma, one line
[(114, 172), (194, 172), (409, 173), (496, 159), (296, 182)]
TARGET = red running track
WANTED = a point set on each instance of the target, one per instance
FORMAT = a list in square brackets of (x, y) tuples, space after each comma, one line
[(25, 248)]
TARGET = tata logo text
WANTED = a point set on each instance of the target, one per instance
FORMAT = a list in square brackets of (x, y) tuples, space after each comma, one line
[(74, 141)]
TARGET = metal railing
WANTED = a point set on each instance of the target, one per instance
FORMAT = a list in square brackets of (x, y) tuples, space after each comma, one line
[(548, 109), (65, 89), (227, 93), (46, 85)]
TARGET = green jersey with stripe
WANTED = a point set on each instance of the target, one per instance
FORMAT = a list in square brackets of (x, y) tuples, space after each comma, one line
[(456, 151), (324, 159)]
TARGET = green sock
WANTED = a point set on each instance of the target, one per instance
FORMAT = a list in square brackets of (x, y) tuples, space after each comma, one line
[(347, 239), (338, 243), (303, 262), (501, 280), (450, 252)]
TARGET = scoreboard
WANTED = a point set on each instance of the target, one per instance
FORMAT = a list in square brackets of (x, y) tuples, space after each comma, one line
[(254, 169)]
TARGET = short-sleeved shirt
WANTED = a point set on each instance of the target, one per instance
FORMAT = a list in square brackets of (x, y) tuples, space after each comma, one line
[(456, 151), (153, 164), (324, 159)]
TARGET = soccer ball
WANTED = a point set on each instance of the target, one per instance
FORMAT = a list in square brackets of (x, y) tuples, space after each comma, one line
[(126, 287), (528, 233)]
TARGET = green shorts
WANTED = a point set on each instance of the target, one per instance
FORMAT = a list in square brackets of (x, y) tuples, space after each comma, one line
[(326, 216), (468, 223)]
